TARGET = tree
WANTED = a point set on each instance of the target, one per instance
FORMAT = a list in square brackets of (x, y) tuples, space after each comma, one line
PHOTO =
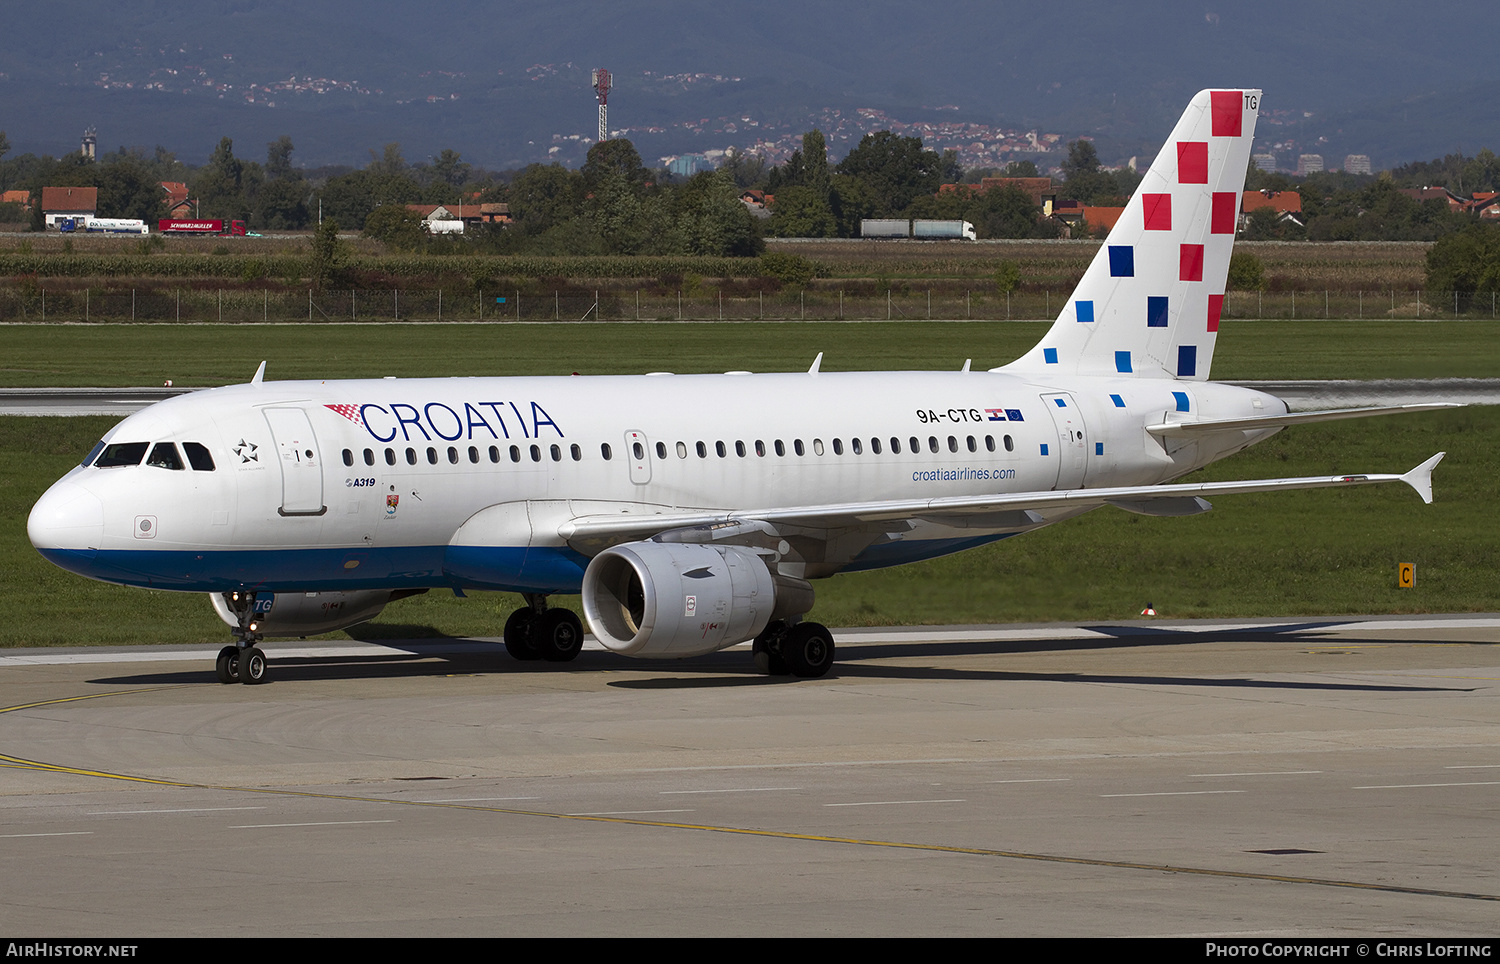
[(396, 226), (895, 170), (4, 144), (800, 212), (544, 195), (709, 218), (327, 253), (1467, 262), (128, 189), (279, 158), (449, 168), (615, 157)]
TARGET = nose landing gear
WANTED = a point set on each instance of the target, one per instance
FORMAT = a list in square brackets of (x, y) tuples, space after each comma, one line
[(243, 662)]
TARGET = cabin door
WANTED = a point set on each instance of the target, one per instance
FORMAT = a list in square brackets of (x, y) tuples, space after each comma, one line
[(301, 466)]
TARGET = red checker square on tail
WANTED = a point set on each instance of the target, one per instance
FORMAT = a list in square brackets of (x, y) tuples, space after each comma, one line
[(1192, 263), (1222, 221), (1227, 113), (1192, 162), (1215, 308), (1158, 210)]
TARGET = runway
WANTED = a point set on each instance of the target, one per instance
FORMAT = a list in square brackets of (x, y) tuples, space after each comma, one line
[(1279, 778)]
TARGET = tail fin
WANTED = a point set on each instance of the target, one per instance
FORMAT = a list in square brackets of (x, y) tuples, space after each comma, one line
[(1149, 303)]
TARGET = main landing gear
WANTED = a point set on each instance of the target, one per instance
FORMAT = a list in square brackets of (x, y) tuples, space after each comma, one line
[(794, 649), (536, 632), (243, 662)]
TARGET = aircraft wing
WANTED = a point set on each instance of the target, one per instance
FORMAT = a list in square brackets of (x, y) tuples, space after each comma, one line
[(1187, 428), (1011, 510)]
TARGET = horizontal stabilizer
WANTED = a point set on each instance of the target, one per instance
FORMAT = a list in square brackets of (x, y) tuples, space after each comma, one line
[(1180, 429)]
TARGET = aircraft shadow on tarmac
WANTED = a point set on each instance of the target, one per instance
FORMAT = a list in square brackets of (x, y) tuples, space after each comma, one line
[(438, 658)]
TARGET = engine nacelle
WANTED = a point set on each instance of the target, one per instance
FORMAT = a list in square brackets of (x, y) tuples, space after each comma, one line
[(669, 600), (308, 613)]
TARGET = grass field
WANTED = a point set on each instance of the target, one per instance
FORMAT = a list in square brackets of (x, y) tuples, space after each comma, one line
[(1298, 553)]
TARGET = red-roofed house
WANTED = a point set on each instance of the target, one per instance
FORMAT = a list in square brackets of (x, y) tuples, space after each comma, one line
[(176, 200), (22, 198), (68, 202), (1286, 204), (1098, 217)]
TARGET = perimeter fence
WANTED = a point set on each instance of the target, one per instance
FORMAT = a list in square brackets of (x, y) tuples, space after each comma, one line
[(37, 304)]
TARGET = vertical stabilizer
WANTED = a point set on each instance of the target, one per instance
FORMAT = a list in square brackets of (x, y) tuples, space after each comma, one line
[(1149, 303)]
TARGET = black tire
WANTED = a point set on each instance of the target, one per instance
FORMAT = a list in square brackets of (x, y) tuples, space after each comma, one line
[(559, 635), (520, 634), (227, 666), (767, 650), (808, 650), (252, 666)]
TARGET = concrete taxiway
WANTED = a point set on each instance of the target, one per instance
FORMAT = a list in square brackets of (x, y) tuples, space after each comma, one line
[(1317, 777)]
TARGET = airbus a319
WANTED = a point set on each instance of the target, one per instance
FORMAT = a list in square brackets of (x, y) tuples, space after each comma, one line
[(692, 512)]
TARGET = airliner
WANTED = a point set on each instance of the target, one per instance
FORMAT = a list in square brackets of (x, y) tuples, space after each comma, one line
[(692, 512)]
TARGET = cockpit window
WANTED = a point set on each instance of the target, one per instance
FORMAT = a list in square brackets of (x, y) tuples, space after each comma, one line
[(198, 457), (121, 453), (93, 453), (164, 456)]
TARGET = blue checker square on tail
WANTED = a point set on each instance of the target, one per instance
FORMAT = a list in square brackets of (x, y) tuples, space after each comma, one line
[(1049, 355), (1119, 402), (1098, 448), (1187, 361), (1121, 261), (1044, 448), (1182, 401), (1122, 361), (1085, 310), (1156, 311)]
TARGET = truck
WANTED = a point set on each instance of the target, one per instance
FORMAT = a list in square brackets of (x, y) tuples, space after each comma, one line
[(885, 228), (936, 230), (102, 225), (444, 226), (204, 226)]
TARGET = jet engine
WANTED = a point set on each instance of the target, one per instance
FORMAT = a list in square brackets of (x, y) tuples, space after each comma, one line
[(668, 600), (309, 613)]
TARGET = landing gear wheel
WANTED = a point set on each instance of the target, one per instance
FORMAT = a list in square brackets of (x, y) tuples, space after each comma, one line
[(520, 634), (767, 650), (227, 666), (252, 666), (558, 635), (808, 650)]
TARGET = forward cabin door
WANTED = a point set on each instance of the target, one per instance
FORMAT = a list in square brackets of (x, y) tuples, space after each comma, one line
[(301, 466)]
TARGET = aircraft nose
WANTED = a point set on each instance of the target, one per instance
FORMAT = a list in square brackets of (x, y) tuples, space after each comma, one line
[(67, 516)]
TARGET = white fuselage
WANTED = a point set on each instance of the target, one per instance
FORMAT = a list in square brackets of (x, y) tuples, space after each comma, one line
[(386, 483)]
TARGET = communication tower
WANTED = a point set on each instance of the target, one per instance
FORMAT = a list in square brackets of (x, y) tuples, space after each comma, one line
[(90, 144), (602, 83)]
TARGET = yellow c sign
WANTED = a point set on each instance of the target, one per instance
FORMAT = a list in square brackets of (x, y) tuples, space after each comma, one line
[(1406, 575)]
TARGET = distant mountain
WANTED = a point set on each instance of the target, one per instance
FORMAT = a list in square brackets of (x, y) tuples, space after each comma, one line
[(507, 83)]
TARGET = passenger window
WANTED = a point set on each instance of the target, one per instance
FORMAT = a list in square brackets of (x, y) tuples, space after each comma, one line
[(838, 446), (875, 446), (431, 455), (604, 451), (515, 453), (369, 457), (121, 453), (576, 452), (164, 456), (390, 456), (411, 456), (797, 447), (739, 449), (858, 446), (199, 458), (348, 457), (1010, 445), (780, 449), (760, 448), (494, 453), (452, 455), (661, 450), (473, 455), (973, 446), (682, 450), (989, 443), (556, 454), (719, 448), (895, 446), (952, 444), (932, 444), (536, 453)]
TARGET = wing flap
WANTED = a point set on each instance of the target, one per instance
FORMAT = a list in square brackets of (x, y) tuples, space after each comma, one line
[(1181, 429)]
